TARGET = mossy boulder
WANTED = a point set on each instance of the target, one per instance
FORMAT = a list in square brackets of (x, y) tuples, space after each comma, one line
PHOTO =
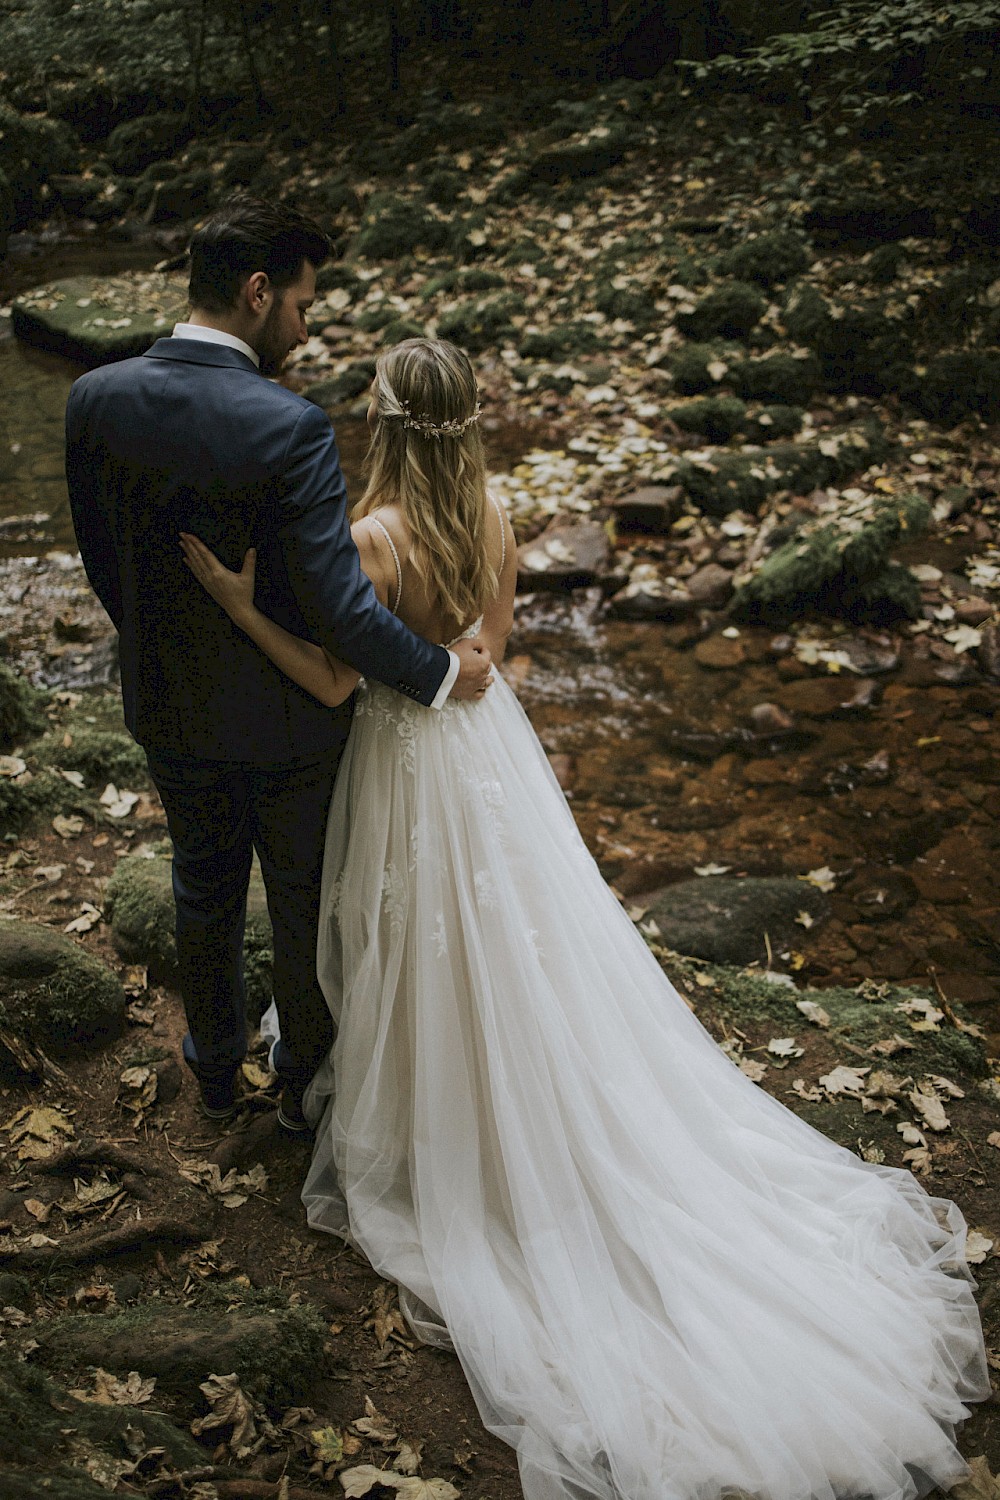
[(352, 381), (101, 755), (718, 418), (724, 920), (55, 993), (139, 903), (722, 482), (862, 219), (578, 160), (400, 329), (463, 279), (840, 566), (274, 1348), (773, 422), (782, 378), (478, 325), (132, 146), (97, 321), (561, 341), (728, 312), (953, 386), (698, 368), (631, 303), (32, 149), (392, 227), (767, 259), (859, 348), (46, 1431), (22, 709), (337, 274), (177, 198), (38, 794)]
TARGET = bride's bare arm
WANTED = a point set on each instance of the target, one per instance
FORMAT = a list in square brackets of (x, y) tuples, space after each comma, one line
[(498, 617), (325, 677)]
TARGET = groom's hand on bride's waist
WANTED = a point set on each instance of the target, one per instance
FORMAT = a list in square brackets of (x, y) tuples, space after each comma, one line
[(475, 672)]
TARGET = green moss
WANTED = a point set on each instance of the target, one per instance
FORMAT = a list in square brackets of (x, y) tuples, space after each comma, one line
[(242, 165), (393, 227), (580, 161), (54, 991), (478, 325), (400, 329), (767, 259), (336, 274), (728, 312), (783, 378), (839, 567), (372, 319), (101, 755), (444, 186), (134, 144), (859, 348), (352, 381), (561, 341), (632, 303), (881, 266), (953, 386), (32, 148), (743, 480), (717, 417), (44, 795), (690, 368), (773, 422), (463, 279), (22, 709)]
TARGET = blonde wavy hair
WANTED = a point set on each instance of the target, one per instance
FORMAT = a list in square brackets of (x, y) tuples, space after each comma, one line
[(426, 456)]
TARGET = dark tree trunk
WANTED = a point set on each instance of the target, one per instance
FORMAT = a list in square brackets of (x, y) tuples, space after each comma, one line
[(259, 97)]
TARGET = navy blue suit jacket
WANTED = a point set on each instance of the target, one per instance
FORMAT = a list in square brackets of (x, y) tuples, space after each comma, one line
[(190, 437)]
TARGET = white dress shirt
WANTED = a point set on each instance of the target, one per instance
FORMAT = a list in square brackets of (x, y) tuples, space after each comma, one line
[(219, 336)]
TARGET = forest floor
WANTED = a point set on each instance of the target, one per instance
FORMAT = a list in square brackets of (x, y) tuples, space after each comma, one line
[(573, 293)]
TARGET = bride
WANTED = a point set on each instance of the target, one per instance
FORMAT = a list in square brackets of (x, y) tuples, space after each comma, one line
[(661, 1284)]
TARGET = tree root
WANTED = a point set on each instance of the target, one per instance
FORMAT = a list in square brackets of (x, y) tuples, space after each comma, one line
[(84, 1249), (134, 1168), (229, 1488)]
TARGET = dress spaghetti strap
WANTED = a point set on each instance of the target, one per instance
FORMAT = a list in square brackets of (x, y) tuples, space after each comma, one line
[(395, 557)]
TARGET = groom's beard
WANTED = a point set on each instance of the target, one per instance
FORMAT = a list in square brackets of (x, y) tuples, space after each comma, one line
[(271, 347)]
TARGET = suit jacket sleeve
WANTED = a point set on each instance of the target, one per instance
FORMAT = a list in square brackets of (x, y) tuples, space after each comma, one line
[(93, 534), (336, 598)]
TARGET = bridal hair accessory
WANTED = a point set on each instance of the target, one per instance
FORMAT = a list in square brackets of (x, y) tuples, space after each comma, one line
[(454, 428)]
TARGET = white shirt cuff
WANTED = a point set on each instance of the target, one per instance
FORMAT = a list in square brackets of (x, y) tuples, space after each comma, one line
[(449, 681)]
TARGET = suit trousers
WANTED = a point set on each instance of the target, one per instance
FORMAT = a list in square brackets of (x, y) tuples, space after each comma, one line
[(218, 813)]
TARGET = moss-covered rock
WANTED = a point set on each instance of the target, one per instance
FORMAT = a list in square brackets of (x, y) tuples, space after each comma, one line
[(400, 329), (33, 148), (139, 902), (38, 794), (561, 341), (717, 417), (695, 368), (580, 160), (46, 1431), (132, 146), (784, 378), (728, 312), (178, 197), (859, 348), (724, 920), (862, 219), (767, 259), (274, 1348), (463, 279), (101, 755), (22, 709), (840, 566), (54, 992), (95, 320), (337, 274), (773, 422), (393, 227), (478, 325), (721, 482), (953, 386), (374, 319), (632, 303), (352, 381)]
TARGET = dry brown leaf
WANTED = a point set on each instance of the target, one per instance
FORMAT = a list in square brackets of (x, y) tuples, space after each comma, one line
[(982, 1483), (373, 1425), (844, 1080), (229, 1405), (813, 1013), (929, 1107), (359, 1481), (977, 1247)]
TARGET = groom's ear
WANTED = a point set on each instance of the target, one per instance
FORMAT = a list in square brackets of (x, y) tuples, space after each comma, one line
[(258, 292)]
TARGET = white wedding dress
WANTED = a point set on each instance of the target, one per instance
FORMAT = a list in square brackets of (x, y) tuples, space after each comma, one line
[(661, 1284)]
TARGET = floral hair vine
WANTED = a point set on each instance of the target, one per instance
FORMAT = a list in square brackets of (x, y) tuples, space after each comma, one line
[(455, 428)]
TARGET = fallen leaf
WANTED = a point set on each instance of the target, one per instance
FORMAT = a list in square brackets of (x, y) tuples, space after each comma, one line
[(373, 1425), (751, 1068), (89, 918), (981, 1484), (75, 778), (912, 1134), (805, 920), (229, 1405), (845, 1080), (806, 1091), (359, 1481), (784, 1046), (256, 1076), (110, 1391), (68, 827), (48, 874), (890, 1045), (712, 869), (814, 1013), (823, 879), (977, 1247), (117, 804), (920, 1160), (993, 1139), (929, 1107), (408, 1457), (39, 1131), (326, 1444), (12, 765)]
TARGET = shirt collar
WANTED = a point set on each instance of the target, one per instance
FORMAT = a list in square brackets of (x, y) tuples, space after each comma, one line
[(214, 336)]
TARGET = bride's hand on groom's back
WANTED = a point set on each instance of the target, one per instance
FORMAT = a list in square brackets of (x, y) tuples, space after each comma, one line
[(234, 591), (475, 673)]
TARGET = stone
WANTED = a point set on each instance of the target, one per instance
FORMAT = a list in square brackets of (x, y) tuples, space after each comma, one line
[(988, 652), (139, 903), (651, 509), (275, 1349), (769, 718), (867, 657), (724, 919), (719, 652), (566, 556), (833, 696), (53, 992), (651, 598), (98, 320), (972, 610), (711, 585)]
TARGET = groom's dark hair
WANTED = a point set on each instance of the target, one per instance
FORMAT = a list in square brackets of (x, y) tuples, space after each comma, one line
[(246, 235)]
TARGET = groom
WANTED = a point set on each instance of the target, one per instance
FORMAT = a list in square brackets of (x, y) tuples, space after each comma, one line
[(190, 437)]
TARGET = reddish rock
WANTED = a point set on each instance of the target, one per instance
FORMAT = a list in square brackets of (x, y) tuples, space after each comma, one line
[(819, 697), (566, 556), (941, 890), (970, 989), (651, 509), (988, 652), (719, 652), (973, 610), (711, 585)]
